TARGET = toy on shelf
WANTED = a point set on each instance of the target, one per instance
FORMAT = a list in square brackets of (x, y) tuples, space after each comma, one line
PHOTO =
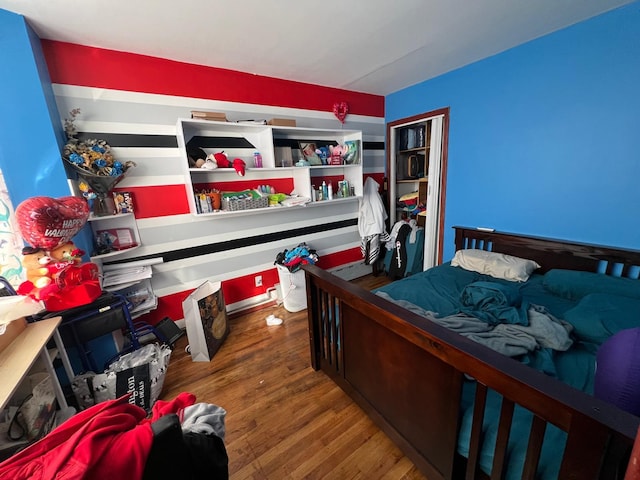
[(199, 159), (55, 273)]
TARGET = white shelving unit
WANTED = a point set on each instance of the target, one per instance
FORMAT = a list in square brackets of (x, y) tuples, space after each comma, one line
[(242, 140), (139, 291), (125, 222)]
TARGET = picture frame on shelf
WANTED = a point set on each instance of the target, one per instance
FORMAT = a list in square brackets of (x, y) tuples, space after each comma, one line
[(308, 150), (284, 156), (123, 201)]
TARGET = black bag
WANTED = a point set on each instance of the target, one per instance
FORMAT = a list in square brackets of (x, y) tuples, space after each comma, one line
[(398, 264)]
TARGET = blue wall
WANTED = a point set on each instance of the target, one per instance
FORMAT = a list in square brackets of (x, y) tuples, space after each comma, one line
[(32, 135), (543, 138)]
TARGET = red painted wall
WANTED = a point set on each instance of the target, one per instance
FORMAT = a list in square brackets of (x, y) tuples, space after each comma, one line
[(71, 64), (95, 67)]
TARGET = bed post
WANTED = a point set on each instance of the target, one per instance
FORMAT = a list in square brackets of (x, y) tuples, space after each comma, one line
[(459, 239), (312, 306)]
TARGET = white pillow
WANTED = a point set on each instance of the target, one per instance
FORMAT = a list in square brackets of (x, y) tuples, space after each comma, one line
[(497, 265)]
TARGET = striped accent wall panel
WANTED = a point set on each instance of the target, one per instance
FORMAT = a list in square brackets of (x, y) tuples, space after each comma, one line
[(140, 126)]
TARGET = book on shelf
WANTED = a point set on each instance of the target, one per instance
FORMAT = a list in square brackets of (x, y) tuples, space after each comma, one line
[(203, 203), (123, 201)]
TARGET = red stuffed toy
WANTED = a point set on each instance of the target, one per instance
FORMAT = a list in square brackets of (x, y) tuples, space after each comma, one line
[(58, 278), (223, 162), (43, 268)]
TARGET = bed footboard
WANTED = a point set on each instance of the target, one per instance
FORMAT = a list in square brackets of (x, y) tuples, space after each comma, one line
[(407, 373), (387, 368)]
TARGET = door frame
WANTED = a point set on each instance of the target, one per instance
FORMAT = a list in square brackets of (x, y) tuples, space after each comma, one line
[(423, 117)]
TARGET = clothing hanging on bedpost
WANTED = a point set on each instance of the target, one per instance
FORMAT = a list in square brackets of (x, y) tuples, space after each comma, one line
[(371, 223), (404, 249), (398, 265)]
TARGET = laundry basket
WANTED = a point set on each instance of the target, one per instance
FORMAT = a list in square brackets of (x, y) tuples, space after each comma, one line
[(294, 289)]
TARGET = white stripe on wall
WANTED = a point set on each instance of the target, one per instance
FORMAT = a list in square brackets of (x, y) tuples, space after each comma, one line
[(120, 112)]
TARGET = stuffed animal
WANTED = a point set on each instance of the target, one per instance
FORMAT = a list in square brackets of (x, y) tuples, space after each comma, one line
[(210, 163), (43, 268), (196, 156), (239, 166), (323, 153), (63, 256), (222, 161), (336, 154), (34, 262)]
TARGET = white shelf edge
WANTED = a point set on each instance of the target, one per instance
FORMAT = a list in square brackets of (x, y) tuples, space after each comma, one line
[(93, 218), (226, 171), (257, 126), (346, 165), (253, 211), (321, 203), (114, 253), (121, 286)]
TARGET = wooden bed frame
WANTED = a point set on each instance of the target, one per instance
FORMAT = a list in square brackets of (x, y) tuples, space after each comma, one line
[(407, 372)]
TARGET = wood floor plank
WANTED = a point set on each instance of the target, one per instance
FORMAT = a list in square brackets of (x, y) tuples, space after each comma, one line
[(285, 421)]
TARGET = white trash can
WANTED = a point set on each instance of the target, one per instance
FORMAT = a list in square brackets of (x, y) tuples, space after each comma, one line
[(294, 289)]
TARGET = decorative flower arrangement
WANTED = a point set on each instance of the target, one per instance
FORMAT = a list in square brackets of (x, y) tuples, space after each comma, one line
[(90, 156), (94, 163)]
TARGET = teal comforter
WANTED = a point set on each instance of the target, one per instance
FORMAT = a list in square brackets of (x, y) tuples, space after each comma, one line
[(494, 303), (440, 290)]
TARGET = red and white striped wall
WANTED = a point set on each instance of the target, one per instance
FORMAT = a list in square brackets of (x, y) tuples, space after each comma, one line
[(134, 102)]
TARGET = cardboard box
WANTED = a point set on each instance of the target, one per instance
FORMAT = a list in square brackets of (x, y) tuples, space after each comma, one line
[(282, 122), (13, 329), (215, 116)]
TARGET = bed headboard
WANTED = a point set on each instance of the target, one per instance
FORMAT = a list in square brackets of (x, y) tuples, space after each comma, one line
[(552, 253)]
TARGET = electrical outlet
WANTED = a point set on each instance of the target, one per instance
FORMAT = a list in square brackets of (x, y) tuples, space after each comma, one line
[(258, 280)]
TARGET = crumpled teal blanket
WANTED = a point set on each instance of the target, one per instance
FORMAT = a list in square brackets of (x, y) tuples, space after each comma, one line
[(494, 303)]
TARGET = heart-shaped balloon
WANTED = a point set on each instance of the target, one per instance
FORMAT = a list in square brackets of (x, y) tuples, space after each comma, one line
[(47, 222), (340, 110)]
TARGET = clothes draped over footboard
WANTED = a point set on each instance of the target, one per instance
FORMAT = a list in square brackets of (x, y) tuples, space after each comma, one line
[(542, 329)]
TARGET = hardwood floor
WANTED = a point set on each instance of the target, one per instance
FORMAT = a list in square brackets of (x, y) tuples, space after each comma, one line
[(285, 421)]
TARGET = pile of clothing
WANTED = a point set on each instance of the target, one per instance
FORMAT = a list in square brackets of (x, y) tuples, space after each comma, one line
[(409, 203), (294, 259), (116, 439)]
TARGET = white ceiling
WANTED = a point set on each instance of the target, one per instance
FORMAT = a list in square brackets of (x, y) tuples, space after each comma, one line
[(374, 46)]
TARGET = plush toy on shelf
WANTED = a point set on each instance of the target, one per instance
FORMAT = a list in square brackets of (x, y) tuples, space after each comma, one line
[(43, 268), (324, 154), (38, 283), (223, 161), (336, 154), (55, 273)]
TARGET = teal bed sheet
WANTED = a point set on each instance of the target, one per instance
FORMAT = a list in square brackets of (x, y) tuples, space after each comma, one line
[(438, 290)]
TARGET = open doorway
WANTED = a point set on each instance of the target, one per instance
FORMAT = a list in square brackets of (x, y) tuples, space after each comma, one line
[(416, 173)]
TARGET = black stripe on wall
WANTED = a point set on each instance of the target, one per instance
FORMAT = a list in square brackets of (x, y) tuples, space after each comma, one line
[(191, 252), (133, 140), (219, 142), (373, 145), (170, 141)]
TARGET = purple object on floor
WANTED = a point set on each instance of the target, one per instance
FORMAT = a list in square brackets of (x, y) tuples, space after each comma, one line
[(617, 378)]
